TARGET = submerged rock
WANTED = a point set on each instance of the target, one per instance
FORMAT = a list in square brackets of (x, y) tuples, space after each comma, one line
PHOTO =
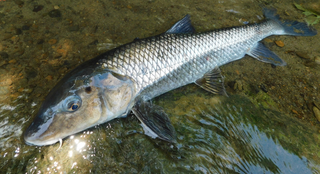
[(316, 112)]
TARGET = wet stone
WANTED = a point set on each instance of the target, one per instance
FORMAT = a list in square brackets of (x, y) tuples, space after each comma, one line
[(30, 73), (4, 90), (4, 55), (6, 36), (316, 112), (37, 8), (52, 41), (279, 43), (310, 63), (55, 13), (2, 15), (3, 62), (40, 41), (16, 31), (263, 88), (317, 60), (19, 3), (302, 54), (74, 28), (25, 27)]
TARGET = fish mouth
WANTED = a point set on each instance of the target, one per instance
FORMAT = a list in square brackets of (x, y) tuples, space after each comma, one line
[(34, 142), (36, 134)]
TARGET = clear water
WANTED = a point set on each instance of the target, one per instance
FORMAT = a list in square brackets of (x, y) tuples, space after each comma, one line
[(251, 131)]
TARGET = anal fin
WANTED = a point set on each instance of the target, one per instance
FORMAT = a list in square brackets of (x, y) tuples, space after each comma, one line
[(263, 54), (212, 81), (155, 121)]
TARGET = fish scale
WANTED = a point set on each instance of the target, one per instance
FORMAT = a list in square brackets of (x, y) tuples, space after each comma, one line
[(165, 62)]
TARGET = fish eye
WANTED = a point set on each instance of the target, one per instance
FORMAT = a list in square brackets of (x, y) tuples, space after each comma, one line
[(88, 89), (72, 103), (72, 106)]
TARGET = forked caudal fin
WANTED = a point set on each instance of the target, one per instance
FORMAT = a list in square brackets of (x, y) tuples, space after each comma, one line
[(287, 27), (280, 27)]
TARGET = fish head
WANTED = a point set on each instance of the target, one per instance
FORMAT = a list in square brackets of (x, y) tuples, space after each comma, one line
[(78, 103)]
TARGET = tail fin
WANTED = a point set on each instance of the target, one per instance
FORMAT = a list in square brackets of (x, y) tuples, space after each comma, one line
[(289, 27)]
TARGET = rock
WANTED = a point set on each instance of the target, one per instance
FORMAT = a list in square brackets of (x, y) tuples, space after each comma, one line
[(279, 43), (30, 72), (37, 8), (19, 3), (302, 54), (13, 61), (238, 85), (4, 55), (74, 28), (55, 13), (17, 31), (317, 60), (6, 36), (25, 27), (309, 63), (49, 77), (52, 41), (3, 62), (316, 112), (4, 90), (268, 40)]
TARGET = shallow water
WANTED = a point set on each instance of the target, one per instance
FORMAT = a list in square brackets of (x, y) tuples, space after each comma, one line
[(266, 125)]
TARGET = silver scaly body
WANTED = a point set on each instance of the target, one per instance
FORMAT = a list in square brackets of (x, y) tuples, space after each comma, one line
[(165, 62)]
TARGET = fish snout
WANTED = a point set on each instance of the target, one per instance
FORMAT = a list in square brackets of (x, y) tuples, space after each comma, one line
[(36, 133)]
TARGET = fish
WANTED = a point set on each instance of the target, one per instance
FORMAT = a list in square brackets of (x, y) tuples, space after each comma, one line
[(125, 79)]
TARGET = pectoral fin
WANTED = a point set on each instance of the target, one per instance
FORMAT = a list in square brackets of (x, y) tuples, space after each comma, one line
[(212, 81), (155, 121)]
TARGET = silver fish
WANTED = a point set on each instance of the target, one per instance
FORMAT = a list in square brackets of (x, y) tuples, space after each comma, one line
[(126, 78)]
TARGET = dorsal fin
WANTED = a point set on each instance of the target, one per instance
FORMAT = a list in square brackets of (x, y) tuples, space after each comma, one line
[(183, 26)]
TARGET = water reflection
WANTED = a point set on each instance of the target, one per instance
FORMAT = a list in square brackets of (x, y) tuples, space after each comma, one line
[(215, 135)]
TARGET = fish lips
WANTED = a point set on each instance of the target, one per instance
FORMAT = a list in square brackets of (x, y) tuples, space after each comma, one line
[(36, 133)]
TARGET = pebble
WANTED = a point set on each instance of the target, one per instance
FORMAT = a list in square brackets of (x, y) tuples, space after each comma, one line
[(3, 62), (238, 85), (37, 8), (52, 41), (25, 27), (13, 61), (4, 55), (4, 90), (316, 112), (19, 3), (317, 59), (55, 13), (302, 54), (268, 40), (279, 43), (74, 28), (49, 77)]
